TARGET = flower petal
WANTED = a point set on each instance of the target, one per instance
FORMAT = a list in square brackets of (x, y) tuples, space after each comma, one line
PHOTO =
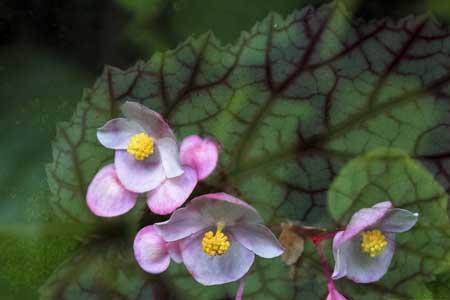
[(183, 223), (200, 154), (398, 220), (139, 176), (212, 270), (340, 266), (106, 196), (359, 266), (172, 193), (226, 208), (170, 157), (152, 122), (116, 133), (363, 219), (258, 239), (151, 250), (175, 252)]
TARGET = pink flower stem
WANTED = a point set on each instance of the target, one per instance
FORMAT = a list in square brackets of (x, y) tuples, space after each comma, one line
[(323, 260), (317, 240), (240, 291), (317, 236)]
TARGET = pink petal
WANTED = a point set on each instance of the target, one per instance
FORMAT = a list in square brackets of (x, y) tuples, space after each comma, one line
[(333, 294), (172, 193), (212, 270), (340, 265), (258, 239), (398, 220), (226, 208), (139, 176), (150, 120), (225, 197), (175, 251), (170, 157), (359, 267), (205, 211), (183, 223), (106, 196), (116, 133), (151, 250), (363, 219), (200, 154)]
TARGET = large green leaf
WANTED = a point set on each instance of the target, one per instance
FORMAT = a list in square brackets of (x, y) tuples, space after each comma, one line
[(420, 253), (102, 271), (290, 102)]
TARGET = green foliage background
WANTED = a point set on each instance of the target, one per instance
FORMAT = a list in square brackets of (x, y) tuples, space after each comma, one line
[(50, 52)]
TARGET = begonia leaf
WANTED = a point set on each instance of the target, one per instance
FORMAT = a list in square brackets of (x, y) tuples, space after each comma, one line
[(290, 102)]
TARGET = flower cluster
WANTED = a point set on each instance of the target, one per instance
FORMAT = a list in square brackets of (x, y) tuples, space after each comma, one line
[(148, 160), (216, 236)]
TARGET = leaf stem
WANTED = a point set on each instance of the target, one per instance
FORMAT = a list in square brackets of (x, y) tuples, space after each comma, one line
[(323, 261)]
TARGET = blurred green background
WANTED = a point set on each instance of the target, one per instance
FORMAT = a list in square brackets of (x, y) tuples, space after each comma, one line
[(51, 50)]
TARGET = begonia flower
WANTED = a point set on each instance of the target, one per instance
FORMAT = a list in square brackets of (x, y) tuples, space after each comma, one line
[(138, 159), (364, 250), (146, 149), (216, 236)]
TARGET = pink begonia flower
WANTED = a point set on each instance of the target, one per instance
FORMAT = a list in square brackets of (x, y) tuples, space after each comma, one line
[(110, 194), (146, 148), (216, 236), (364, 250), (333, 293)]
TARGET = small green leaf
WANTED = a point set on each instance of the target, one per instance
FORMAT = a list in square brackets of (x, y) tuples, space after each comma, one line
[(420, 253)]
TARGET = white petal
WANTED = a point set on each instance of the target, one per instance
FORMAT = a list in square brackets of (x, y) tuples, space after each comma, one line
[(170, 157)]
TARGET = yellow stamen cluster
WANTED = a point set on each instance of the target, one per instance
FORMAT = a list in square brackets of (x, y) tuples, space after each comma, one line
[(373, 242), (215, 244), (141, 146)]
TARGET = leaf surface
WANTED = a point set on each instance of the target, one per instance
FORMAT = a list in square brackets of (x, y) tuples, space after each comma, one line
[(291, 102), (101, 271)]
